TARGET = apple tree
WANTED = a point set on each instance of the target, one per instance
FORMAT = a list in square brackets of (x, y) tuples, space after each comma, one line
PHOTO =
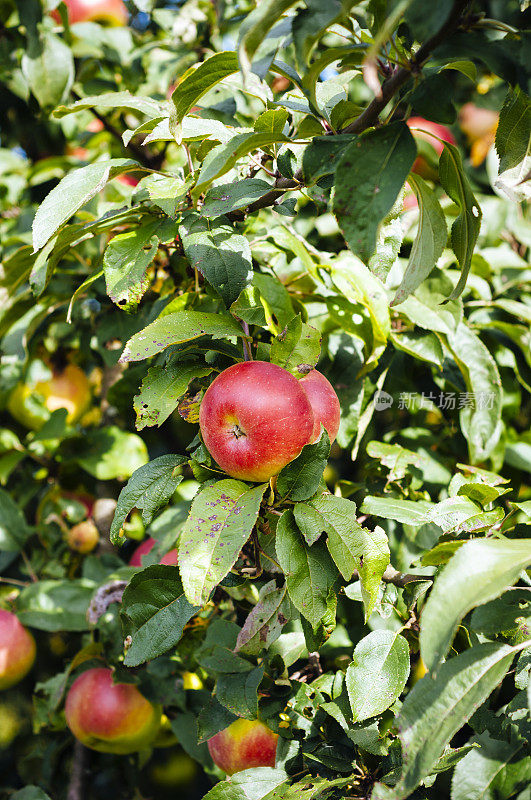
[(216, 585)]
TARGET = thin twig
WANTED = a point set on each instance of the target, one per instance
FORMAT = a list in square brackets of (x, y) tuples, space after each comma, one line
[(79, 765)]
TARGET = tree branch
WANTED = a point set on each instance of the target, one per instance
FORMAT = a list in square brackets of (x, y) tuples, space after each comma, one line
[(400, 579), (369, 117), (79, 764)]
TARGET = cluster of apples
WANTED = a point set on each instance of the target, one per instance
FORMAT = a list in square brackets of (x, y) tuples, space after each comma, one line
[(256, 417), (117, 718)]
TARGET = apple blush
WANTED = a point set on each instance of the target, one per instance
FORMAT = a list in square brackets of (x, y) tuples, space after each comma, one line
[(171, 557), (110, 718), (243, 745), (17, 650)]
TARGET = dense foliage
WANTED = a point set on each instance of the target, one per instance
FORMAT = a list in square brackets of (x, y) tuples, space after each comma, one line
[(220, 181)]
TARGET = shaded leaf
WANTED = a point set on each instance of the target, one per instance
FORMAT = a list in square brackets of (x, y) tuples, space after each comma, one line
[(377, 674)]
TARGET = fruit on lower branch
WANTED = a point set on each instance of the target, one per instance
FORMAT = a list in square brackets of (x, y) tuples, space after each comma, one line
[(243, 745), (479, 125), (10, 724), (68, 388), (324, 403), (110, 718), (425, 165), (192, 681), (171, 558), (17, 650), (255, 418), (112, 12), (83, 537)]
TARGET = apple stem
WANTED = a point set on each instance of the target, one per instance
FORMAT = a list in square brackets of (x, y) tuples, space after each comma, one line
[(247, 355)]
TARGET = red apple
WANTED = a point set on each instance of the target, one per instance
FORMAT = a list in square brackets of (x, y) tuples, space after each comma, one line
[(421, 165), (83, 537), (112, 12), (17, 650), (171, 558), (128, 180), (255, 418), (324, 403), (111, 718), (243, 745)]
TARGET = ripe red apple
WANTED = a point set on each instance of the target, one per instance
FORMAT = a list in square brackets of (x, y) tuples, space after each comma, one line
[(68, 388), (422, 166), (255, 418), (243, 745), (171, 558), (17, 650), (110, 718), (83, 537), (112, 12), (324, 403)]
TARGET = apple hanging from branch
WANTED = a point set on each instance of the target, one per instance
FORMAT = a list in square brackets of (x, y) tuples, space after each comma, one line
[(17, 650), (243, 745)]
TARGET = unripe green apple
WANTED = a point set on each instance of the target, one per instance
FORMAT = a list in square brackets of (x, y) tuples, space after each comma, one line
[(68, 389), (243, 745), (83, 537), (17, 650), (10, 724), (110, 718), (324, 403), (112, 12), (171, 557), (255, 418), (426, 166)]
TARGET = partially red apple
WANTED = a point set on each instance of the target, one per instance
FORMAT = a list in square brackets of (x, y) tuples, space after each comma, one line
[(17, 650), (255, 418), (68, 388), (112, 12), (479, 125), (171, 557), (83, 537), (243, 745), (110, 718), (426, 166), (324, 403)]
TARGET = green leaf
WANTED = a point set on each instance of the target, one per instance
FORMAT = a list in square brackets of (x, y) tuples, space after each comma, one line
[(154, 612), (250, 784), (509, 615), (306, 789), (76, 189), (310, 23), (409, 512), (351, 546), (220, 522), (49, 69), (177, 327), (198, 80), (127, 258), (302, 477), (512, 134), (265, 621), (271, 121), (452, 512), (255, 26), (220, 254), (149, 488), (168, 193), (56, 605), (161, 389), (320, 157), (229, 197), (435, 709), (426, 20), (224, 157), (465, 229), (30, 793), (492, 770), (110, 453), (429, 241), (479, 571), (481, 419), (310, 572), (250, 307), (239, 693), (13, 527), (112, 100), (297, 348), (377, 164), (377, 674)]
